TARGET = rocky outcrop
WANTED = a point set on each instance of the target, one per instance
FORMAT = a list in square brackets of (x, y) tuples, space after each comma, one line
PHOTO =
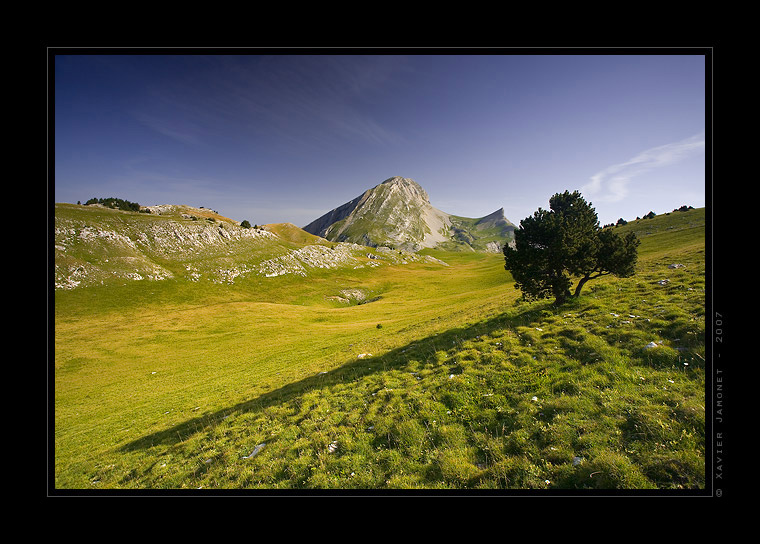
[(494, 247), (171, 238), (299, 261)]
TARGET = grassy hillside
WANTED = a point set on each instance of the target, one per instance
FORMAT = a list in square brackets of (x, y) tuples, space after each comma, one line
[(96, 246), (436, 377), (288, 231)]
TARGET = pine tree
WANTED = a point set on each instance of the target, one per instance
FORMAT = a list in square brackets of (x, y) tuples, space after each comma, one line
[(566, 241)]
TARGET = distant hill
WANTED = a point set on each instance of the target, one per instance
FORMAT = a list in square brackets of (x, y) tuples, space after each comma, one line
[(186, 212), (397, 213), (98, 245)]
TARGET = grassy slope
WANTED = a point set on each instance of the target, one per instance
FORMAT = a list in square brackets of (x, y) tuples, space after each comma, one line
[(170, 385), (289, 231)]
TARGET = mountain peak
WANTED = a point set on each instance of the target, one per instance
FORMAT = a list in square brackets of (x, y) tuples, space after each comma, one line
[(398, 180), (411, 188), (398, 213), (494, 215), (498, 215), (495, 219)]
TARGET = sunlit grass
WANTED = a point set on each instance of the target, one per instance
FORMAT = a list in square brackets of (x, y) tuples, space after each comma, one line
[(461, 387)]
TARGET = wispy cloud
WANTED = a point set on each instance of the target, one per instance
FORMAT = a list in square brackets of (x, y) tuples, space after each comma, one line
[(311, 100), (179, 130), (611, 184), (316, 101)]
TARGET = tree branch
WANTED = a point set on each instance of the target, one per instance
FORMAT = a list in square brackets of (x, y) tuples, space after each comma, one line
[(602, 273)]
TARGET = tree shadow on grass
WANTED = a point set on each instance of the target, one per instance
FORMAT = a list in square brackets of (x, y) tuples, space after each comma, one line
[(350, 371)]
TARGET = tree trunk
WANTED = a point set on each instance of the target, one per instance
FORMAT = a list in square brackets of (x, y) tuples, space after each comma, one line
[(562, 298), (580, 285)]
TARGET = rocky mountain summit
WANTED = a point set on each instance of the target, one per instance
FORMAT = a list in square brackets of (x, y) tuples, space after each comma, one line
[(397, 213)]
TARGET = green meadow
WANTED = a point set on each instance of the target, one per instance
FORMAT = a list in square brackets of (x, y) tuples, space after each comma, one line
[(441, 379)]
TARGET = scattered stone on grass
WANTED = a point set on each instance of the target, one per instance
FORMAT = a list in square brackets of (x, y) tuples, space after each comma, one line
[(255, 451)]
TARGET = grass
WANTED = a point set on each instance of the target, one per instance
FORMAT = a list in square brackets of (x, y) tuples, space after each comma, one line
[(167, 385)]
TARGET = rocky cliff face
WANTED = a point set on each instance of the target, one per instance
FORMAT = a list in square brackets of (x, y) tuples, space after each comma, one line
[(398, 213)]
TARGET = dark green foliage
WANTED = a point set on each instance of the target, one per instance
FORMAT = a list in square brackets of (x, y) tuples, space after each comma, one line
[(115, 203), (245, 224), (566, 241)]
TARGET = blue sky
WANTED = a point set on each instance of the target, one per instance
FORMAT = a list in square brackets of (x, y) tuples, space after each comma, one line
[(286, 138)]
